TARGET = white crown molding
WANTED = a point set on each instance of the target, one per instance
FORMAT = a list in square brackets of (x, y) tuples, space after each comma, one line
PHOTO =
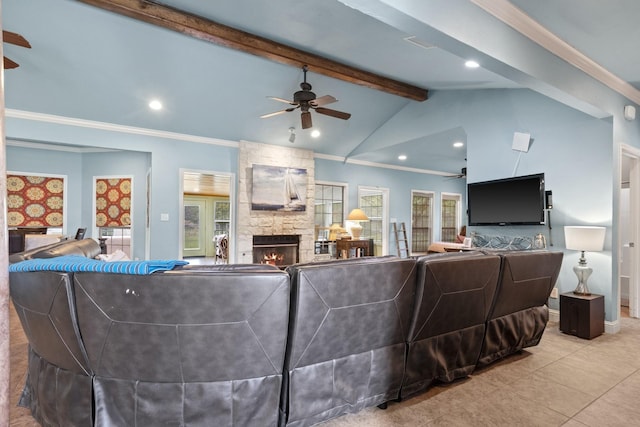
[(514, 17), (41, 145), (380, 165), (68, 121)]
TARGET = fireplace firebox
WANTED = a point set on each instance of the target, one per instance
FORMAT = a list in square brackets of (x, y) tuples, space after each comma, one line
[(281, 250)]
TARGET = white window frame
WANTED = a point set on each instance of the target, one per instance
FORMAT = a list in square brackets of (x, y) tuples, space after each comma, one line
[(458, 198), (131, 228), (362, 191), (432, 195), (345, 199)]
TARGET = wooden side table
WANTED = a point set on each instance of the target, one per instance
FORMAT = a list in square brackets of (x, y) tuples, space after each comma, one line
[(352, 248), (582, 315)]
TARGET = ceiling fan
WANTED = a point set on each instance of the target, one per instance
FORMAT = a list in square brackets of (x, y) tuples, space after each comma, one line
[(462, 174), (16, 39), (306, 100)]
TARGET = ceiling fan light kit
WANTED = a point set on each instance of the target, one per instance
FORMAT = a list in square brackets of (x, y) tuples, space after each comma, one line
[(306, 101)]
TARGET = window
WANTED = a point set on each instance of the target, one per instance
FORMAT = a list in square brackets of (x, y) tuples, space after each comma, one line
[(450, 217), (375, 203), (329, 208), (421, 221), (222, 215), (113, 214)]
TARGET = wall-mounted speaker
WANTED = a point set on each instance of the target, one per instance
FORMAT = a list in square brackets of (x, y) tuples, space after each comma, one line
[(629, 112), (521, 141), (548, 200)]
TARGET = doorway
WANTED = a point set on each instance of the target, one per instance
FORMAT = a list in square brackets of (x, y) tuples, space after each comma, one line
[(629, 229), (206, 215)]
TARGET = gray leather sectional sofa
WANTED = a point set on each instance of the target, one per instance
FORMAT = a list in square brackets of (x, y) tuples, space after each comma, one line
[(250, 345)]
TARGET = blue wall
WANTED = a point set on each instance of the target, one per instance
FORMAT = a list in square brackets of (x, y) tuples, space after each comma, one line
[(164, 157), (28, 160), (119, 163), (573, 149)]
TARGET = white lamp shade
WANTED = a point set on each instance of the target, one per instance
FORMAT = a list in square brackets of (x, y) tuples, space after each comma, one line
[(357, 215), (584, 238)]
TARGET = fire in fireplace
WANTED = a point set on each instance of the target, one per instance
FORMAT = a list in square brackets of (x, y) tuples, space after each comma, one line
[(280, 250)]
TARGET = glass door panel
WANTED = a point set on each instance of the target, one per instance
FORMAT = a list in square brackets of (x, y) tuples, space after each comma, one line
[(194, 228)]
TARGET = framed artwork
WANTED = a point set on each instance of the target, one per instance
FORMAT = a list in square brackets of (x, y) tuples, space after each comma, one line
[(35, 200), (278, 188), (113, 202)]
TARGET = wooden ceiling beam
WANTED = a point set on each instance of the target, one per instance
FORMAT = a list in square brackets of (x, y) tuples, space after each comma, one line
[(204, 29)]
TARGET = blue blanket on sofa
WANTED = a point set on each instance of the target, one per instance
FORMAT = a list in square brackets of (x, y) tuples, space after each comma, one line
[(78, 263)]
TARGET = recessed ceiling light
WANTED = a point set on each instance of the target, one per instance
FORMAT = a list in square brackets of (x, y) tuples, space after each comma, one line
[(458, 144), (471, 64), (402, 157), (315, 133), (155, 104)]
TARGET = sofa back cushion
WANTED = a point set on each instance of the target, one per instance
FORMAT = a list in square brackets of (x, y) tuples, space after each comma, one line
[(526, 280), (519, 314), (185, 347), (455, 291), (184, 326), (453, 298), (347, 335), (347, 307)]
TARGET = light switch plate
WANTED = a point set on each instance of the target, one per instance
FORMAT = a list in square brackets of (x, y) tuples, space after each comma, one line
[(164, 217)]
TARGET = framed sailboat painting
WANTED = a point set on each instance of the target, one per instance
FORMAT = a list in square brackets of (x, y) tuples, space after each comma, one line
[(278, 188)]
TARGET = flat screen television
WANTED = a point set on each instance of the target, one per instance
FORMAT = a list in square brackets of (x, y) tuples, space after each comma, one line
[(510, 201)]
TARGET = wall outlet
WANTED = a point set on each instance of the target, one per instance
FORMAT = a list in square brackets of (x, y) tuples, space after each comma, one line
[(554, 293)]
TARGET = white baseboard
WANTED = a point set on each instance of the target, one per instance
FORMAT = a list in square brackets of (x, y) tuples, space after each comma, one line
[(554, 315), (612, 327)]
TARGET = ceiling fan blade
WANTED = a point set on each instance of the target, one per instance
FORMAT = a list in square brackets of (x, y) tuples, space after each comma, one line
[(323, 100), (286, 101), (9, 64), (288, 110), (15, 38), (306, 119), (333, 113)]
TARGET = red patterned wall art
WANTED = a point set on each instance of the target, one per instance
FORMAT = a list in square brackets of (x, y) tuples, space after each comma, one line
[(113, 202), (34, 201)]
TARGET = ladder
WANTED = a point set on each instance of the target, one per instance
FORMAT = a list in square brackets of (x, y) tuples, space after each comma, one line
[(402, 244)]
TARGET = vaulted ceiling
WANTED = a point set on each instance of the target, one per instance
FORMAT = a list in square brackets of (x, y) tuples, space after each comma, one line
[(98, 65)]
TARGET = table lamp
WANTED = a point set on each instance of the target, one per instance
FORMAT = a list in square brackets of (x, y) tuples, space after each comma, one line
[(356, 216), (584, 239)]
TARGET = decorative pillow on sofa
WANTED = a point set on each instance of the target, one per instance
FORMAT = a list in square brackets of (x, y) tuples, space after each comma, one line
[(116, 255)]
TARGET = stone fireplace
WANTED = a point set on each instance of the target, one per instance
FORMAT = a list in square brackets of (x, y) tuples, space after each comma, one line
[(273, 223), (281, 250)]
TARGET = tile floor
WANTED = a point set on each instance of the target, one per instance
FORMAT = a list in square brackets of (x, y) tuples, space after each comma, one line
[(563, 381)]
